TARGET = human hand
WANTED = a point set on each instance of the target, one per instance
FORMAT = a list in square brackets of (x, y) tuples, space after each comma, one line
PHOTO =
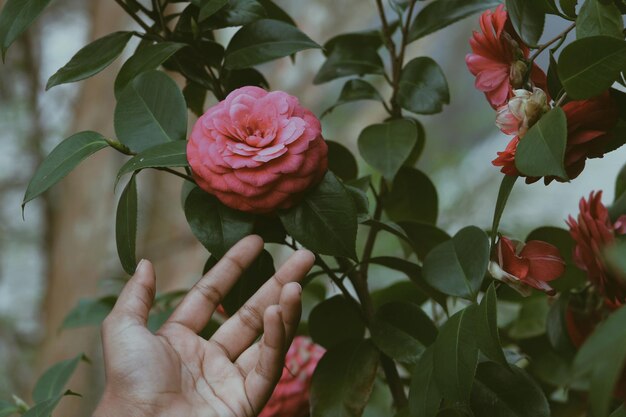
[(177, 373)]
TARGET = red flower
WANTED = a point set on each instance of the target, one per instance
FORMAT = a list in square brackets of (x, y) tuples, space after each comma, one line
[(527, 265), (291, 396), (593, 232), (499, 59), (589, 125)]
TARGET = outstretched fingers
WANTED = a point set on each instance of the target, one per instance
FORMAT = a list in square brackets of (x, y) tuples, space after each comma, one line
[(135, 300), (195, 310), (241, 330)]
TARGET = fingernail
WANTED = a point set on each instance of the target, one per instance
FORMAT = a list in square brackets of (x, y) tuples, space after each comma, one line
[(139, 265)]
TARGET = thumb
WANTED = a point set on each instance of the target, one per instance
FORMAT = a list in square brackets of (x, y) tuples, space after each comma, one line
[(135, 300)]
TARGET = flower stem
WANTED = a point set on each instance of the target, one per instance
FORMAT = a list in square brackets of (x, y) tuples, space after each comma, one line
[(552, 41)]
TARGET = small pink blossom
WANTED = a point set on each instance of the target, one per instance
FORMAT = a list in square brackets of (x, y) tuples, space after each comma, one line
[(522, 111)]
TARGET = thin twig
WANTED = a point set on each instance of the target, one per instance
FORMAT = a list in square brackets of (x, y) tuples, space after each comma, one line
[(136, 18), (178, 174), (551, 41)]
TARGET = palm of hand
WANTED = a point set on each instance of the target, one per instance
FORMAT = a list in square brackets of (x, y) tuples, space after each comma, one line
[(175, 372)]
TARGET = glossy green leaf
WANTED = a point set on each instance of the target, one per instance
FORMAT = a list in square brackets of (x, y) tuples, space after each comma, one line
[(275, 12), (455, 357), (237, 13), (555, 88), (145, 59), (573, 277), (195, 96), (169, 154), (413, 197), (126, 227), (506, 186), (233, 79), (542, 151), (265, 40), (15, 18), (589, 66), (531, 321), (423, 237), (569, 7), (216, 226), (618, 208), (355, 90), (441, 13), (401, 291), (341, 161), (52, 383), (487, 335), (424, 395), (91, 59), (326, 219), (249, 283), (389, 227), (386, 146), (528, 18), (402, 331), (507, 392), (151, 110), (335, 321), (62, 160), (89, 312), (361, 203), (372, 38), (597, 17), (343, 380), (556, 326), (423, 87), (457, 267), (602, 358), (210, 7), (347, 58)]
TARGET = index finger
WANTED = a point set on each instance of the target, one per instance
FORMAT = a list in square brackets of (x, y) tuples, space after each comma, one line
[(195, 310)]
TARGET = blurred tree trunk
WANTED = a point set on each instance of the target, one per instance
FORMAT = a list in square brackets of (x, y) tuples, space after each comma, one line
[(81, 228)]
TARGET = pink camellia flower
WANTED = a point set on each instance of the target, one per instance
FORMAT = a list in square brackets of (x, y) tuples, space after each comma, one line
[(499, 59), (291, 396), (522, 111), (593, 232), (532, 264), (589, 126), (257, 151)]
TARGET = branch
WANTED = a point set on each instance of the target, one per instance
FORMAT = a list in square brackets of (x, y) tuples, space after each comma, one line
[(136, 18), (551, 42)]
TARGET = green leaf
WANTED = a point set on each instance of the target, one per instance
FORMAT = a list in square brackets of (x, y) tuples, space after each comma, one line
[(126, 227), (216, 226), (555, 88), (361, 203), (413, 197), (402, 331), (602, 358), (52, 383), (341, 161), (234, 79), (211, 7), (354, 90), (531, 321), (598, 17), (91, 59), (423, 237), (589, 66), (423, 87), (151, 110), (349, 58), (89, 312), (15, 18), (195, 96), (169, 154), (326, 220), (264, 40), (441, 13), (542, 151), (145, 59), (528, 18), (275, 12), (402, 291), (386, 146), (507, 392), (237, 13), (44, 408), (372, 38), (343, 380), (487, 335), (618, 208), (456, 356), (62, 160), (506, 186), (335, 321), (569, 7), (573, 277), (556, 326), (457, 267), (424, 395), (249, 283), (7, 409)]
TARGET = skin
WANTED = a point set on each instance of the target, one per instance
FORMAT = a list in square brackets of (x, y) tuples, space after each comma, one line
[(175, 372)]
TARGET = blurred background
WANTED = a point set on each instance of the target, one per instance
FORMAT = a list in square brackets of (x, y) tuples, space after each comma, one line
[(63, 249)]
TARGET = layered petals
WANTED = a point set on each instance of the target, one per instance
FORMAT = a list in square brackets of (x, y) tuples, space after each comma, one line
[(257, 151), (522, 266)]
